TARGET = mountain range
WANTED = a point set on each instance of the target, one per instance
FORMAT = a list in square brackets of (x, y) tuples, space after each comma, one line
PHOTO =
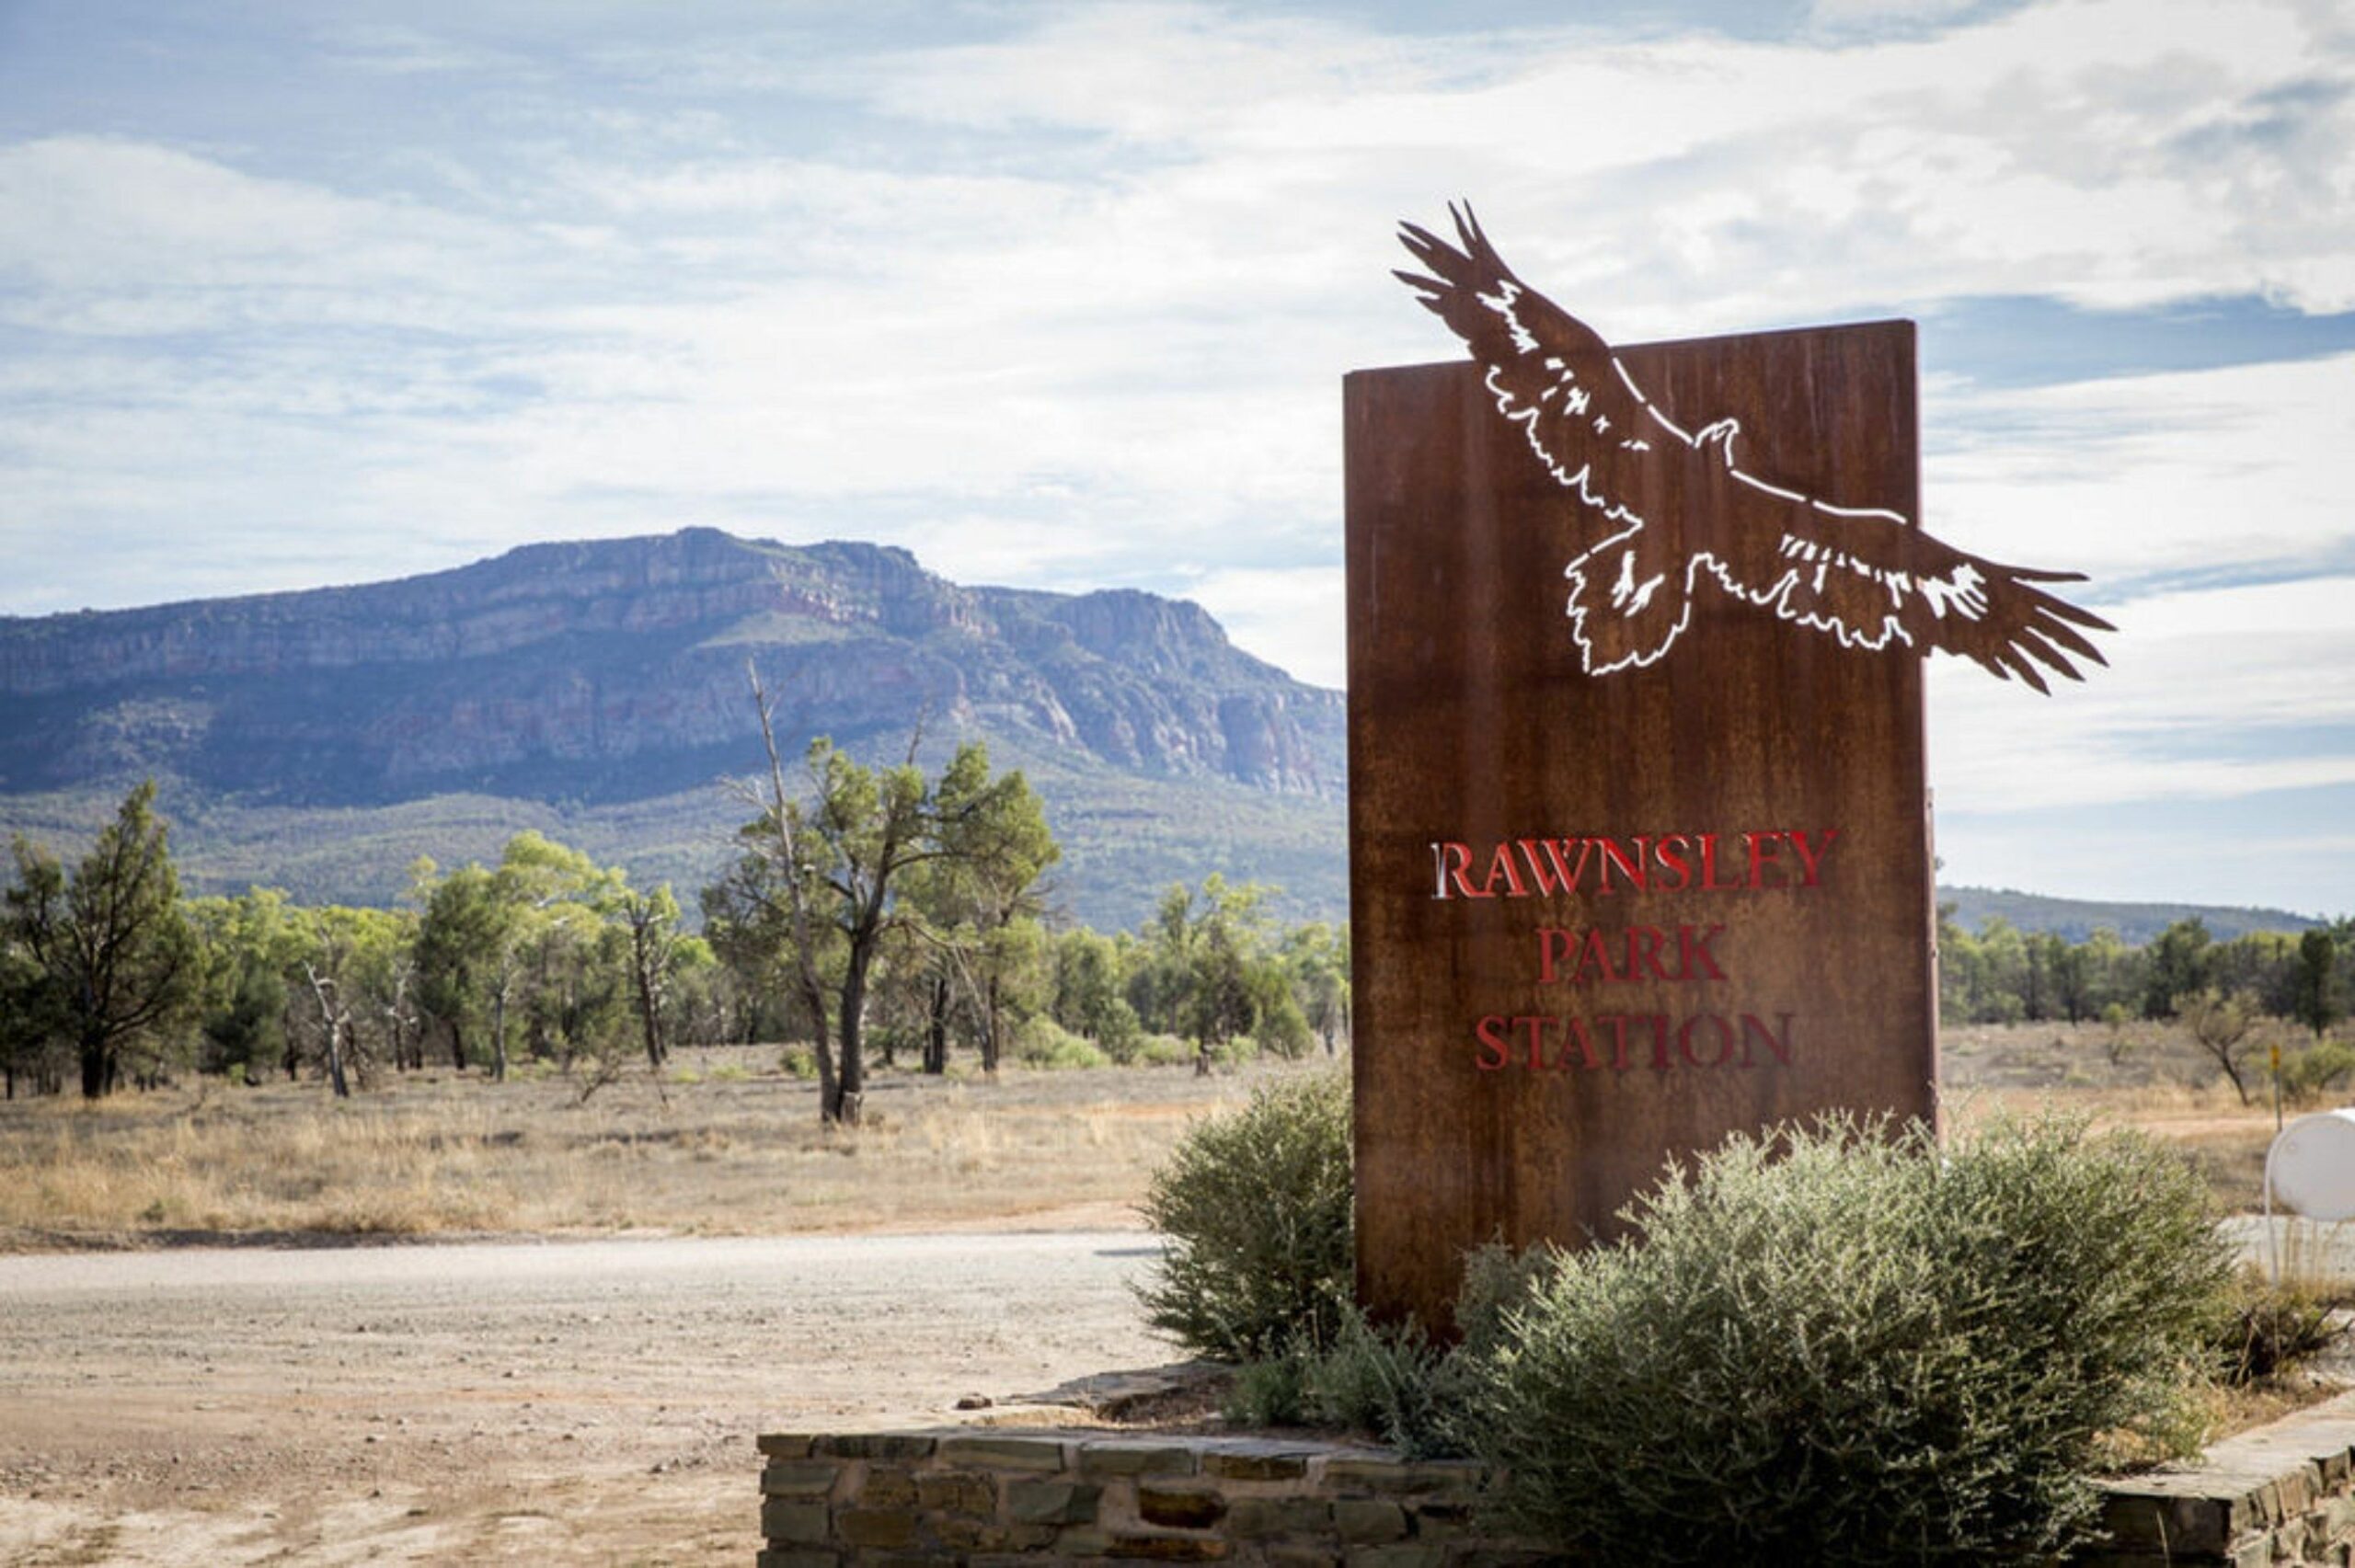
[(321, 741)]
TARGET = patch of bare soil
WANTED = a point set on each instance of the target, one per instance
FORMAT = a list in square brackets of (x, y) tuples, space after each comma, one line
[(566, 1403)]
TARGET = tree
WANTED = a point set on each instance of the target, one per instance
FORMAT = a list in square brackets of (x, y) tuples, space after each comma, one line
[(2178, 966), (2221, 1024), (2314, 992), (822, 875), (464, 941), (983, 899), (113, 949), (1319, 956), (1210, 975), (651, 920), (250, 944), (1091, 975)]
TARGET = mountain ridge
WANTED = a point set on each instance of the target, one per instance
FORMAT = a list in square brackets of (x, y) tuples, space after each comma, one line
[(320, 739), (591, 679)]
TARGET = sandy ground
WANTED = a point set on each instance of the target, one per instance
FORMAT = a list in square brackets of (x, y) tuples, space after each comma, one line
[(552, 1402)]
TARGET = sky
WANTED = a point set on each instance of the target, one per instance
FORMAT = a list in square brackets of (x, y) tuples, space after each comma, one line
[(1061, 295)]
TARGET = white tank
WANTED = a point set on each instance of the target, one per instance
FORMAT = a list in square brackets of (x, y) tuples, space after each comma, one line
[(2310, 1168)]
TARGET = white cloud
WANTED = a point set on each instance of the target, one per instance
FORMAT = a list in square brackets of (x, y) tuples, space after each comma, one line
[(1070, 308)]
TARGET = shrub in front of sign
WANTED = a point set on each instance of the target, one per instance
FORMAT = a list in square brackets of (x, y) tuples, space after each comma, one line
[(1844, 1346), (1255, 1208)]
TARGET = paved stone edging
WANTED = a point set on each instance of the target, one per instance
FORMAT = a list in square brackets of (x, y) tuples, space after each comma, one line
[(982, 1495), (2280, 1493)]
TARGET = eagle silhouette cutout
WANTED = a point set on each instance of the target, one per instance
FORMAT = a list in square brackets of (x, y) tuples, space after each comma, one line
[(1677, 510)]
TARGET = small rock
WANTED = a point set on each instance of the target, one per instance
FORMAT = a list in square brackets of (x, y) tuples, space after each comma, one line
[(975, 1402)]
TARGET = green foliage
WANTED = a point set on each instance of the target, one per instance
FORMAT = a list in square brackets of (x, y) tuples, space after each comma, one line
[(1090, 983), (2306, 1076), (2179, 965), (886, 878), (1043, 1043), (108, 959), (1862, 1352), (1256, 1209), (1162, 1050), (2315, 998), (1271, 1391)]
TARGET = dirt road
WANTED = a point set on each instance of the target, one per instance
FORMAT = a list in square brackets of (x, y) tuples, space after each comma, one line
[(576, 1403)]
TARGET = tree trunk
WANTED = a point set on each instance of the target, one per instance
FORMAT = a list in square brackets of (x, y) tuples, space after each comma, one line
[(498, 1036), (97, 1067), (989, 1029), (457, 1046), (650, 1017), (935, 1028), (850, 1085)]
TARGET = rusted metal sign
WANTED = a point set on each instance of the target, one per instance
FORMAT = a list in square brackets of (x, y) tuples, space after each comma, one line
[(1639, 846)]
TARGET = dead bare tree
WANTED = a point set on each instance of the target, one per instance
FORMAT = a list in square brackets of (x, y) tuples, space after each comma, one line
[(2221, 1024)]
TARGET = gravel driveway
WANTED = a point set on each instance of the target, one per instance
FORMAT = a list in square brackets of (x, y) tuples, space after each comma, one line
[(562, 1402)]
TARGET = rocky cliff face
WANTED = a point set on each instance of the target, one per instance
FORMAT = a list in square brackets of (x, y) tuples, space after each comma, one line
[(615, 670)]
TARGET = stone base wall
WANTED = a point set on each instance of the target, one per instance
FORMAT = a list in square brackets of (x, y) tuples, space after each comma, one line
[(2282, 1493), (987, 1496)]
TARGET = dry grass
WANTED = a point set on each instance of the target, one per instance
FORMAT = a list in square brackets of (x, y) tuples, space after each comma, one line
[(2160, 1082), (729, 1144)]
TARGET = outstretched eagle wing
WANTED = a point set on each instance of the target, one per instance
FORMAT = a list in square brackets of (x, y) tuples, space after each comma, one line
[(1549, 373), (1868, 578)]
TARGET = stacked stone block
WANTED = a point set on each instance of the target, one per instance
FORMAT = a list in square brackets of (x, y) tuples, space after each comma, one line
[(990, 1496), (2280, 1493)]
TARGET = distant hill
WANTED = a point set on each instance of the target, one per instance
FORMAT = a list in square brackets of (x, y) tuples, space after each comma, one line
[(2077, 919), (321, 740)]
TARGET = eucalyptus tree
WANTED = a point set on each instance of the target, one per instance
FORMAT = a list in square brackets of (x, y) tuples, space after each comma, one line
[(106, 948), (821, 875)]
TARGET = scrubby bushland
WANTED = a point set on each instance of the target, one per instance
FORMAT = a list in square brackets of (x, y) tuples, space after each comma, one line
[(1841, 1347), (1256, 1205)]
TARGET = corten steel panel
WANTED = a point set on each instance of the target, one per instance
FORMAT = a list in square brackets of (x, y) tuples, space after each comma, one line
[(1471, 721)]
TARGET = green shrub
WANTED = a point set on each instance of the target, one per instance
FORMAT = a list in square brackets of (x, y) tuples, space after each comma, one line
[(2307, 1075), (798, 1061), (1256, 1205), (1270, 1393), (1161, 1050), (1041, 1042), (1835, 1348)]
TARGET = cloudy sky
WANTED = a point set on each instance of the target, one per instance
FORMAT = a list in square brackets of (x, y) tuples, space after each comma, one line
[(1061, 294)]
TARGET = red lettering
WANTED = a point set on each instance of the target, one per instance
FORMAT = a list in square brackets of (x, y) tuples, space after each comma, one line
[(1632, 868), (1659, 1021), (1695, 952), (1725, 1041), (1552, 943), (1643, 953), (1491, 1043), (1548, 870), (1619, 1038), (1595, 954), (1460, 855), (1709, 883), (1673, 860), (1762, 858), (1575, 1034), (1813, 857), (1500, 865), (1535, 1030), (1778, 1040)]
